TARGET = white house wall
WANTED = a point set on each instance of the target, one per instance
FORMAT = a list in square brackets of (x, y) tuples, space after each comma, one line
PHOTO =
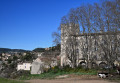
[(24, 66)]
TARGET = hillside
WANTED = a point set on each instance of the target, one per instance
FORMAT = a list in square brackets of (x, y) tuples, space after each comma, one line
[(11, 50), (39, 50)]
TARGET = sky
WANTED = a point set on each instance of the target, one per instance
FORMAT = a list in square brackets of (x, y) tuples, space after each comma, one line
[(28, 24)]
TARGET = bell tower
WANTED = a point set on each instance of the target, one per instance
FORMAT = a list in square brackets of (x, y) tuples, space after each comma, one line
[(67, 30)]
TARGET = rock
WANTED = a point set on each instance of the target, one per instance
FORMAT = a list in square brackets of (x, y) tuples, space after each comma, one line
[(62, 76)]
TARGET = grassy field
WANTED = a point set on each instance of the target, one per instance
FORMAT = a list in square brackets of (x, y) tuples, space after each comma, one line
[(3, 80)]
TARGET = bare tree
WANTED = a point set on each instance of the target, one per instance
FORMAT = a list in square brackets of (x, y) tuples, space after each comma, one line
[(57, 37), (110, 45), (99, 27)]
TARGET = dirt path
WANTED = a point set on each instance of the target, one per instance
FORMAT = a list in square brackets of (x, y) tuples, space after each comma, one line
[(72, 79), (68, 81)]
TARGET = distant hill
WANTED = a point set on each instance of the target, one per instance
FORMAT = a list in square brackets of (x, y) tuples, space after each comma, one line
[(54, 48), (12, 50), (39, 50)]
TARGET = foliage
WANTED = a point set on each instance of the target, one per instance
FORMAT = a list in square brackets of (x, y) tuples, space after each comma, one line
[(39, 50), (56, 71), (3, 80), (13, 65), (17, 74), (15, 58), (54, 48), (27, 57), (9, 60)]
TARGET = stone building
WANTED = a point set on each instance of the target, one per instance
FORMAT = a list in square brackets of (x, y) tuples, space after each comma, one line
[(82, 48), (42, 64), (37, 67)]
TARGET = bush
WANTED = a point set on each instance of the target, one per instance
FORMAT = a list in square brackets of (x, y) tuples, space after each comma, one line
[(20, 73)]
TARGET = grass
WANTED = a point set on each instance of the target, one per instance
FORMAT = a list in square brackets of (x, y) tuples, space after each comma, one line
[(4, 80), (52, 73)]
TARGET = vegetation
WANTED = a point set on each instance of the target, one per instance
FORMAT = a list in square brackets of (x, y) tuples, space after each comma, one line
[(28, 57), (56, 71), (102, 18), (55, 48), (3, 80), (4, 50), (39, 50), (115, 78)]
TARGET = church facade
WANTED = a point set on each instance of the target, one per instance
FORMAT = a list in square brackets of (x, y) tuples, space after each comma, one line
[(81, 48)]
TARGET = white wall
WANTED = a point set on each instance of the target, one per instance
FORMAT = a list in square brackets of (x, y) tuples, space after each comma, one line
[(19, 67), (24, 66)]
